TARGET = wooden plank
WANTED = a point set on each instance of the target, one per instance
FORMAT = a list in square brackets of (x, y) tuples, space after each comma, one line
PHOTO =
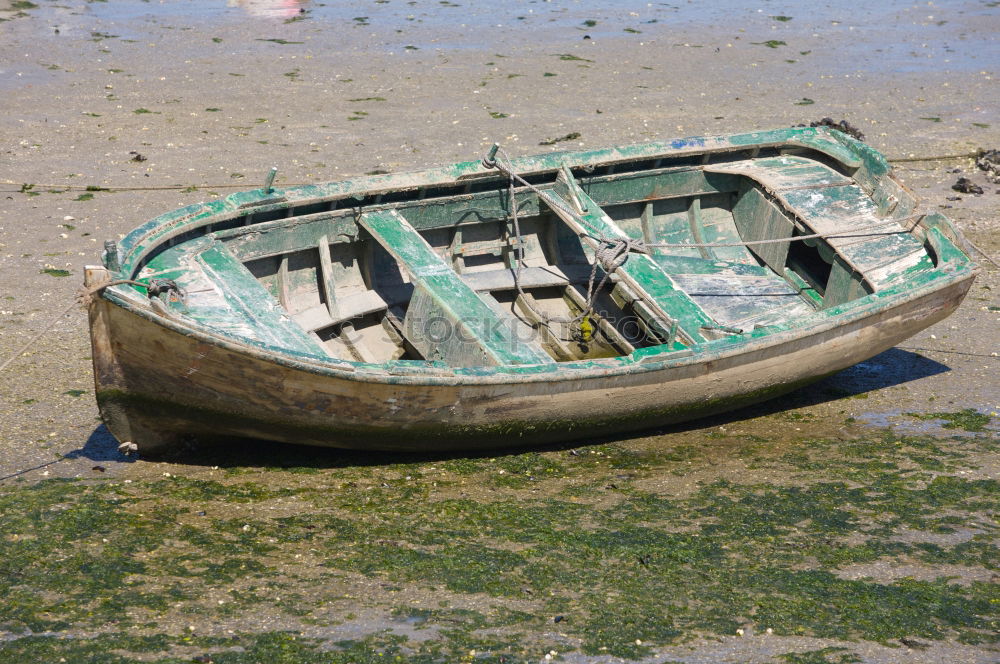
[(349, 306), (644, 276), (271, 238), (694, 221), (326, 270), (531, 277), (466, 332), (250, 301), (829, 203), (757, 218), (690, 265)]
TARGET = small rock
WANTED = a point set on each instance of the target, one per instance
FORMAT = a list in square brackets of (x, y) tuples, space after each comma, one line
[(989, 161), (967, 186), (842, 126), (98, 469)]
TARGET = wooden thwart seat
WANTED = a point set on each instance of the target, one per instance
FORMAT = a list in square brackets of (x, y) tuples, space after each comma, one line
[(247, 304), (659, 299), (831, 203), (446, 319)]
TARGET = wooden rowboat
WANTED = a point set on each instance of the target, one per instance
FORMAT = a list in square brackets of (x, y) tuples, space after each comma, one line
[(626, 288)]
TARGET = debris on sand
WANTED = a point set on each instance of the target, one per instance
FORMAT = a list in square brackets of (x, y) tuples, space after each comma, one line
[(967, 186), (572, 136), (989, 161), (843, 126)]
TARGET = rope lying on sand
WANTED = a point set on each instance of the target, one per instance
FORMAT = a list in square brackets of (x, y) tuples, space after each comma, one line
[(230, 185), (83, 298)]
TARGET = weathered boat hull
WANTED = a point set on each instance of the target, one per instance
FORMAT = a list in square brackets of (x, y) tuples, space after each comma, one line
[(158, 382), (301, 315)]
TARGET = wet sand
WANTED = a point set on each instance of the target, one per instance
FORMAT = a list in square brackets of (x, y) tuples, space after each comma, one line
[(154, 106)]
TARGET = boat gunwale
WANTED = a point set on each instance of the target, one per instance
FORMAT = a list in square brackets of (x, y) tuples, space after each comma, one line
[(135, 247)]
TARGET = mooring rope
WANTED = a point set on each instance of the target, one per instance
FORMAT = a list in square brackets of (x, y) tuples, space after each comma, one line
[(229, 185), (83, 297)]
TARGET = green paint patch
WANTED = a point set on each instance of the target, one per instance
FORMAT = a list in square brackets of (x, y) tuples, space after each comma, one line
[(217, 40), (783, 19), (548, 73), (981, 125), (968, 419), (633, 31), (212, 110), (142, 111), (770, 43), (932, 119), (497, 115), (805, 101), (55, 272)]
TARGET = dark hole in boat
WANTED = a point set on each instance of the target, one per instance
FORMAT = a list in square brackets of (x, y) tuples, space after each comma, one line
[(488, 185), (931, 253), (444, 191), (236, 222), (399, 196), (649, 164), (806, 262), (311, 208), (270, 215)]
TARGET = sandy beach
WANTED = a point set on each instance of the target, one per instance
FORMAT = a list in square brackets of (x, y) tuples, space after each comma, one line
[(115, 112)]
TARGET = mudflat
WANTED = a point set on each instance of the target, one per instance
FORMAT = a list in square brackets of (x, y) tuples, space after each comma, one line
[(849, 522)]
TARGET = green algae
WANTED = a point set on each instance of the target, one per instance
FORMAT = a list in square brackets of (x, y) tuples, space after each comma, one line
[(831, 655), (488, 551), (968, 419)]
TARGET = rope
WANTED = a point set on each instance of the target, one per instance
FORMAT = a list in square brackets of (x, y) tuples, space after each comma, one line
[(84, 297), (944, 157), (614, 254)]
